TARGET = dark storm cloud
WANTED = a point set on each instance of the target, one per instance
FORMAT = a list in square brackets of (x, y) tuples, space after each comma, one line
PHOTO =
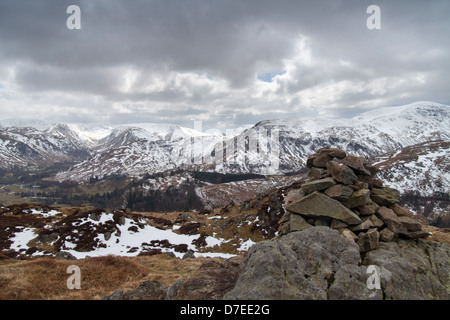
[(178, 59)]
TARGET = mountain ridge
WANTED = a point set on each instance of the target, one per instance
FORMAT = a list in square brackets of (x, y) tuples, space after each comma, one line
[(403, 126)]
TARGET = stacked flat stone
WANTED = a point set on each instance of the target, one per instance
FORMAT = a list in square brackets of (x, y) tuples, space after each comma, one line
[(342, 193)]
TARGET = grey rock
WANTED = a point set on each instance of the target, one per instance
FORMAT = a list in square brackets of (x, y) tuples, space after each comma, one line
[(293, 195), (318, 263), (170, 254), (410, 224), (368, 222), (384, 196), (391, 220), (334, 152), (316, 185), (116, 295), (348, 234), (300, 265), (298, 223), (107, 235), (283, 223), (317, 173), (65, 256), (341, 173), (400, 211), (358, 198), (348, 177), (188, 255), (368, 209), (147, 290), (337, 224), (386, 235), (318, 205), (122, 220), (95, 216), (369, 240), (356, 163), (319, 159), (414, 271), (412, 235), (339, 192), (210, 282), (350, 283)]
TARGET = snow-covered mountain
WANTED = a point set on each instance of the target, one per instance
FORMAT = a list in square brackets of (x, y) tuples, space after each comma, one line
[(369, 134), (269, 147), (27, 146), (427, 162), (28, 143)]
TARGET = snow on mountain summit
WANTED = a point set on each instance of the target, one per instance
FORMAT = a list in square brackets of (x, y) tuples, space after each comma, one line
[(419, 119), (136, 149)]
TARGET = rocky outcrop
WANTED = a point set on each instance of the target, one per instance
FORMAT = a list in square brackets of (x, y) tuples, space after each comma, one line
[(319, 263), (300, 265), (412, 270), (343, 193), (344, 236)]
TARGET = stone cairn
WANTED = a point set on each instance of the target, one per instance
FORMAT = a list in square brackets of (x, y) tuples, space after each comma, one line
[(342, 193)]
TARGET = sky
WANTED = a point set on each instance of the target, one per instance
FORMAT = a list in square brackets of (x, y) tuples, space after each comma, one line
[(226, 63)]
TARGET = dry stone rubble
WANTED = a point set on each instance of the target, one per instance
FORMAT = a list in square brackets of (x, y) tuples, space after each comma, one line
[(343, 193)]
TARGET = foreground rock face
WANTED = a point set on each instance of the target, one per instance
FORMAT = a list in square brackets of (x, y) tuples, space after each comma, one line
[(412, 270), (319, 263), (300, 265)]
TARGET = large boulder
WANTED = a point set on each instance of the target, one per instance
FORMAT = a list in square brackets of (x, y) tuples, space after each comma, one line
[(300, 265), (318, 205), (319, 263), (412, 270)]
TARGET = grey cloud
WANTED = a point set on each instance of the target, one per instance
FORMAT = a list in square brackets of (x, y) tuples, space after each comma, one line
[(230, 42)]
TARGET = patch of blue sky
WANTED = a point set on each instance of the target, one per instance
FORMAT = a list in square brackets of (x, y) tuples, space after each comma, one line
[(268, 76)]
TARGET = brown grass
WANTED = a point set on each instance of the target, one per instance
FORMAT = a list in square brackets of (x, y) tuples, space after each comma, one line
[(438, 234), (45, 278)]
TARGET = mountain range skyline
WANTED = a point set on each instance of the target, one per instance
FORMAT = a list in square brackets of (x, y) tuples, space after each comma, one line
[(279, 145), (225, 63)]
